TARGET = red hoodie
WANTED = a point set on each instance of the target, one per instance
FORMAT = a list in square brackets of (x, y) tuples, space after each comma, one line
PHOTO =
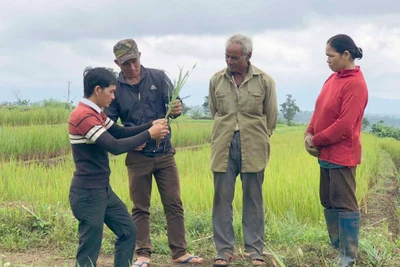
[(336, 122)]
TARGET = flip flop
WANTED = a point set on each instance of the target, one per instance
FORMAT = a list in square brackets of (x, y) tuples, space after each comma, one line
[(141, 264), (188, 259)]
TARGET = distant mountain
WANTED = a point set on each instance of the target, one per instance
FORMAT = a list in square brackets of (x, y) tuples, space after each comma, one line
[(378, 109), (383, 106), (376, 105), (387, 110), (390, 120)]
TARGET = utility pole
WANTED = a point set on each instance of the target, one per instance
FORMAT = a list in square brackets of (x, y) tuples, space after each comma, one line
[(69, 83)]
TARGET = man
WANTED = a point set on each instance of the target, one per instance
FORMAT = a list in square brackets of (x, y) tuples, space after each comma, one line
[(244, 107), (142, 96), (92, 200)]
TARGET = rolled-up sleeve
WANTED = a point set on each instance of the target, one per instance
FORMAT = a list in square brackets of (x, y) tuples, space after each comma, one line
[(211, 99), (270, 105)]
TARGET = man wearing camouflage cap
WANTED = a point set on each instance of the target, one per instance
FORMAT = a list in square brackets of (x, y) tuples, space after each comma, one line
[(141, 96)]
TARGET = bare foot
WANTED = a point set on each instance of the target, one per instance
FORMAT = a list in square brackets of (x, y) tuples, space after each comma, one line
[(142, 262), (265, 253), (187, 258), (223, 259), (220, 262), (257, 263)]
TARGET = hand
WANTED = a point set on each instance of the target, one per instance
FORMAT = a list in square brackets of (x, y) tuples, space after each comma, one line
[(140, 148), (161, 121), (308, 140), (313, 151), (158, 131), (177, 109)]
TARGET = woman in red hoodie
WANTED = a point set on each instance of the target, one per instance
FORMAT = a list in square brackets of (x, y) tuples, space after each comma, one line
[(333, 135)]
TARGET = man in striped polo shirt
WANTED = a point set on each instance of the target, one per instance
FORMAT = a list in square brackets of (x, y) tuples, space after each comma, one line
[(93, 202)]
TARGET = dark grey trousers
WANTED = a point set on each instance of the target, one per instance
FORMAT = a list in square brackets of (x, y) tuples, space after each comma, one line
[(253, 211), (338, 189), (92, 208)]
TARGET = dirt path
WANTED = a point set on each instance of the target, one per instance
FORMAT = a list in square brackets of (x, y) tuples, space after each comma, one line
[(48, 259), (383, 199)]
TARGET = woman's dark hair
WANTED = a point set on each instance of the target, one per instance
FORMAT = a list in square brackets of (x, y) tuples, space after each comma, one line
[(343, 42), (93, 77)]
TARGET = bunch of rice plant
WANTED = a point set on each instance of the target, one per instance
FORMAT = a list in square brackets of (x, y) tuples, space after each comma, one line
[(178, 85)]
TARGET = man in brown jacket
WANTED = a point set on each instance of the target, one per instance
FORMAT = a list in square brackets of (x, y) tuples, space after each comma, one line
[(244, 107)]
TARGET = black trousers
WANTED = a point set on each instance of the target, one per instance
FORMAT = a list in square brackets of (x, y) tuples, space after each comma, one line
[(92, 208)]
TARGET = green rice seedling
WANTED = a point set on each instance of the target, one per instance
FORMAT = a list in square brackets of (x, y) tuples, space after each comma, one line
[(18, 116), (290, 187), (178, 85), (294, 216), (175, 91), (35, 141), (392, 146), (190, 134), (47, 141)]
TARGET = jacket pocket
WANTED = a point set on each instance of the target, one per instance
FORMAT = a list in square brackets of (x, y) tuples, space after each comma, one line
[(223, 103), (255, 103)]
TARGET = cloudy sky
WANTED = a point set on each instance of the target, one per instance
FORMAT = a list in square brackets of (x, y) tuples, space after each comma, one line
[(44, 44)]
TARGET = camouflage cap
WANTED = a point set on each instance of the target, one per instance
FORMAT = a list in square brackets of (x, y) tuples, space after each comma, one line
[(125, 50)]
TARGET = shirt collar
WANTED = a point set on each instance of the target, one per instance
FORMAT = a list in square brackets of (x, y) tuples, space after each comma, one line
[(348, 72), (251, 71), (89, 103)]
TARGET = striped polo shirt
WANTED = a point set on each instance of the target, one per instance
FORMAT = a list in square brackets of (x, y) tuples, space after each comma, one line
[(86, 123)]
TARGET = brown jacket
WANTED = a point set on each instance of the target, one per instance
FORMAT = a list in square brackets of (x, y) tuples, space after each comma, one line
[(255, 110)]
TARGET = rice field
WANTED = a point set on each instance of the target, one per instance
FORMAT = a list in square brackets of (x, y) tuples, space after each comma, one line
[(291, 183), (18, 116), (36, 170), (43, 141)]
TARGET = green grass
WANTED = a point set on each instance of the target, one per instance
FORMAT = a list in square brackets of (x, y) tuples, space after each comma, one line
[(36, 141), (290, 187), (44, 141), (392, 146), (23, 116), (295, 229), (48, 141)]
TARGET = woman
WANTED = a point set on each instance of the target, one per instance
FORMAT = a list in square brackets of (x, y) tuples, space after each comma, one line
[(333, 135)]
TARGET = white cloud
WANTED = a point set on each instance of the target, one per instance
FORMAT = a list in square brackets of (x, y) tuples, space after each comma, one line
[(45, 45)]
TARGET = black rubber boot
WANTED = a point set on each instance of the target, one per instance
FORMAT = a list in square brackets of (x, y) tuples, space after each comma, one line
[(332, 223), (349, 227)]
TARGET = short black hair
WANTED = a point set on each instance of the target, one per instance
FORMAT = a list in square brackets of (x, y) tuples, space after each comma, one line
[(343, 42), (93, 77)]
